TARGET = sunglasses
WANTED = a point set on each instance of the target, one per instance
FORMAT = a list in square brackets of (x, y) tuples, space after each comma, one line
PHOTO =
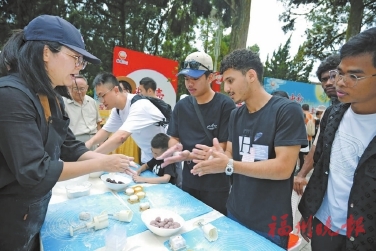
[(193, 65)]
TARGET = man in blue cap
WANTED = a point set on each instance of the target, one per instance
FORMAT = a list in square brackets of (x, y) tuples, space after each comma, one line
[(197, 120)]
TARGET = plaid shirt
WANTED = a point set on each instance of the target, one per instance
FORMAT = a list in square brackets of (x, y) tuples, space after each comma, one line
[(361, 207)]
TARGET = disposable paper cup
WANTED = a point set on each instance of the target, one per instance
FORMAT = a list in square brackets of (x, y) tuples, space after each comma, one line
[(124, 215), (115, 239), (210, 232)]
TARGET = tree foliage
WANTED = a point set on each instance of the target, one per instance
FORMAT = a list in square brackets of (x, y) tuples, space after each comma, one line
[(281, 66), (166, 28), (240, 13), (158, 27), (333, 22), (254, 48)]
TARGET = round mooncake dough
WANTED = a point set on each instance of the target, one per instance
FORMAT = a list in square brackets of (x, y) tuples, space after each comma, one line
[(84, 216), (140, 195), (144, 205), (129, 191), (137, 189), (133, 198)]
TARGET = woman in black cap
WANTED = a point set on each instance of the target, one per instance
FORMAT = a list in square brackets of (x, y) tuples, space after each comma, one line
[(37, 148)]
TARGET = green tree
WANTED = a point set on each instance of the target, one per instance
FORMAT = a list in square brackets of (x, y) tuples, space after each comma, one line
[(333, 22), (254, 48), (278, 65), (300, 67), (235, 14), (281, 66), (17, 14), (158, 27), (177, 48)]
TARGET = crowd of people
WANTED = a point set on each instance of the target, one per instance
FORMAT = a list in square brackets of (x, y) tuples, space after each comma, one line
[(240, 161)]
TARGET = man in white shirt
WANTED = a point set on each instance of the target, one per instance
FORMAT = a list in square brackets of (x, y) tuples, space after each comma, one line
[(82, 111), (338, 206), (139, 119)]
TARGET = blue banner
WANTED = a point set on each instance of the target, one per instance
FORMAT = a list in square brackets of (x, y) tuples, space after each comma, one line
[(303, 93)]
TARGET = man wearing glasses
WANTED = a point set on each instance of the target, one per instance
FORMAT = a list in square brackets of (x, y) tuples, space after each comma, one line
[(82, 111), (341, 192), (140, 119), (322, 73), (186, 129)]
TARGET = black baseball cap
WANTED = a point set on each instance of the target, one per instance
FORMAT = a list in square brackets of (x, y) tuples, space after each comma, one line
[(56, 29)]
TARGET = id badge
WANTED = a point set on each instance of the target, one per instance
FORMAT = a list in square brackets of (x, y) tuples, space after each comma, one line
[(249, 157)]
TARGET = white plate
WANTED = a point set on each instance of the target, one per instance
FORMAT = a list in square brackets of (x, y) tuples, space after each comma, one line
[(148, 215), (117, 177)]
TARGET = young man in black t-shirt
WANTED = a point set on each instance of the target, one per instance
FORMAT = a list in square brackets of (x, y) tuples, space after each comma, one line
[(265, 136), (186, 129)]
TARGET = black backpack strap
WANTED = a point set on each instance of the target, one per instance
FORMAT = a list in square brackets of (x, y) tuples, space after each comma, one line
[(157, 103), (200, 118), (136, 98)]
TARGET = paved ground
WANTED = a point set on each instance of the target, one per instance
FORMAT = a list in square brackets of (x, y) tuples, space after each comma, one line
[(304, 246)]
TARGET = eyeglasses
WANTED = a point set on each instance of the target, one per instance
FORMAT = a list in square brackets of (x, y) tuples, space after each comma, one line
[(82, 89), (101, 98), (193, 65), (79, 60), (350, 80)]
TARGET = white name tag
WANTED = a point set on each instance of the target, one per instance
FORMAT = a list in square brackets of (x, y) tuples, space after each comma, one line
[(261, 152), (249, 157)]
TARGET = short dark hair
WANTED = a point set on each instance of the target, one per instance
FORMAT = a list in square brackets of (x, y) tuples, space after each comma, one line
[(127, 86), (148, 83), (160, 141), (282, 94), (329, 63), (305, 107), (207, 73), (243, 60), (106, 78), (363, 43)]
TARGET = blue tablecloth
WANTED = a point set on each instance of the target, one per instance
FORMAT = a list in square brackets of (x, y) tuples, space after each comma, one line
[(170, 197), (55, 230), (231, 236)]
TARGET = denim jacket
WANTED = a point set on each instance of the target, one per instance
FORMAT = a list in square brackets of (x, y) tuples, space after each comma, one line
[(361, 207)]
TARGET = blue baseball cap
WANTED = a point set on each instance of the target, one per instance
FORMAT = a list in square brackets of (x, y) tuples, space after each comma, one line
[(196, 64), (56, 29)]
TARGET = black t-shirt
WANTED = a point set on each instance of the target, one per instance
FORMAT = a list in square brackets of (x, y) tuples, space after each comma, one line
[(255, 202), (186, 126), (155, 166)]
